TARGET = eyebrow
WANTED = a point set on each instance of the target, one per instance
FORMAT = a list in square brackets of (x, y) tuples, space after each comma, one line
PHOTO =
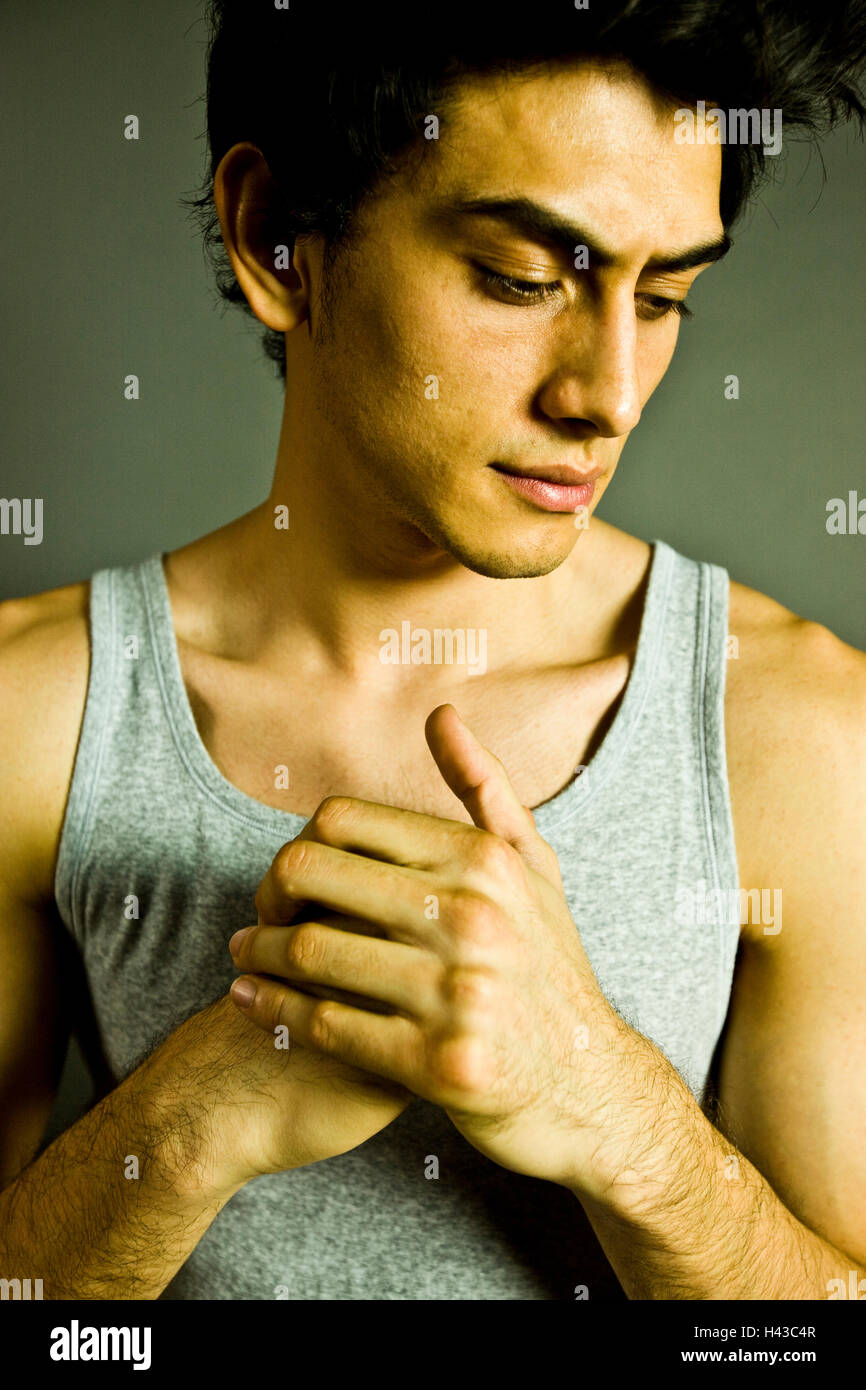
[(543, 224)]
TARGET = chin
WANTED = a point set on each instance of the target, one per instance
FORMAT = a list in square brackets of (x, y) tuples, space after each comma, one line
[(515, 555), (510, 563)]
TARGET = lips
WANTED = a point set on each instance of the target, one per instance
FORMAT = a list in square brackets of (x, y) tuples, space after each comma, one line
[(559, 474), (551, 496)]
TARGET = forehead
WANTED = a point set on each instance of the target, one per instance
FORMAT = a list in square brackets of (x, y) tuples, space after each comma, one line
[(593, 141)]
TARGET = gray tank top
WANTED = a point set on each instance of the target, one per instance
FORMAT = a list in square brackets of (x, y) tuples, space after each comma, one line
[(150, 814)]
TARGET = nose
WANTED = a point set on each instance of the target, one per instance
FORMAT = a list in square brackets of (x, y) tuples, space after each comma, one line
[(596, 378)]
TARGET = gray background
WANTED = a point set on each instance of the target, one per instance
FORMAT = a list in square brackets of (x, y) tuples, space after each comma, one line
[(103, 276)]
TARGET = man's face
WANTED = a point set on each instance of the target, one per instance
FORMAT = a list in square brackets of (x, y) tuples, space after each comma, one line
[(435, 371)]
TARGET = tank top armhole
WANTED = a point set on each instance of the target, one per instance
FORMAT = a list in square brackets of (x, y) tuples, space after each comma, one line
[(92, 739), (721, 844)]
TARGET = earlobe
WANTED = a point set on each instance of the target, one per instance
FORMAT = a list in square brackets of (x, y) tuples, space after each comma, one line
[(273, 276)]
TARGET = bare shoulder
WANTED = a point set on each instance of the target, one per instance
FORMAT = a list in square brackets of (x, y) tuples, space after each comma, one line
[(783, 666), (795, 731), (44, 666)]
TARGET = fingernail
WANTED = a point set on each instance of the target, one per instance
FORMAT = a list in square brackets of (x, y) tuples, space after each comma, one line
[(235, 943), (243, 993)]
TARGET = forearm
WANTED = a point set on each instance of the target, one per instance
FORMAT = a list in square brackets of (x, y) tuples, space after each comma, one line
[(116, 1204), (694, 1219)]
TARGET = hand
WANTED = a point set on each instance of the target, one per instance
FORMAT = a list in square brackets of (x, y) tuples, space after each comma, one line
[(487, 1004)]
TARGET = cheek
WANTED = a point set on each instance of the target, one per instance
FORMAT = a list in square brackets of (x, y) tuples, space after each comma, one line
[(396, 341), (427, 365), (417, 316)]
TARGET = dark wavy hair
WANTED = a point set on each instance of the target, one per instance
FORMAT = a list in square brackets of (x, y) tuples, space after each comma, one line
[(336, 102)]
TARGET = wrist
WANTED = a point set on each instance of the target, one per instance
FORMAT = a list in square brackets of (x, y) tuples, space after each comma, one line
[(647, 1127), (197, 1163), (182, 1102)]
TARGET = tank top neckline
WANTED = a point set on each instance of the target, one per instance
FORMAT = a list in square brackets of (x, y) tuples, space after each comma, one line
[(577, 793)]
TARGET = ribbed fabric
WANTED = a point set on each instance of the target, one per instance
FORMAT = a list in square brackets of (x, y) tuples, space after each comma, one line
[(150, 814)]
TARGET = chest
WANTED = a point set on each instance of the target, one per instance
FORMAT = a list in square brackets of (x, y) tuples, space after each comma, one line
[(292, 747)]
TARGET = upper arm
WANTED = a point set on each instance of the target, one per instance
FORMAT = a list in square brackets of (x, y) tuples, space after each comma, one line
[(43, 681), (34, 1031), (792, 1072)]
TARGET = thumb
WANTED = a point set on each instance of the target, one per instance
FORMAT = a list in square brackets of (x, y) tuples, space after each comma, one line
[(479, 779)]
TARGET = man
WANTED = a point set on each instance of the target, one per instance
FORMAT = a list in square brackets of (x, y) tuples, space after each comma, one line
[(487, 1053)]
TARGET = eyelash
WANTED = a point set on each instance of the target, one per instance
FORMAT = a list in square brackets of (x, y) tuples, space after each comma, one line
[(534, 292)]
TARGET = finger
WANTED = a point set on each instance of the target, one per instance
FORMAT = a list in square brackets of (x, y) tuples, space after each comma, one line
[(410, 838), (385, 971), (343, 996), (305, 873), (388, 1045), (345, 924), (368, 828), (479, 779)]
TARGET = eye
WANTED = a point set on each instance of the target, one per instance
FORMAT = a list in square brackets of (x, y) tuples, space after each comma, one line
[(513, 291), (657, 307), (516, 291)]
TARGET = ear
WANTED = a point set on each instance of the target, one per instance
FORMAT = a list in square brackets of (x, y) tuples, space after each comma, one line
[(276, 279)]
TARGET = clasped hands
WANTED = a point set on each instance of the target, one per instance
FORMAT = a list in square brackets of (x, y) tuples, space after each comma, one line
[(444, 957)]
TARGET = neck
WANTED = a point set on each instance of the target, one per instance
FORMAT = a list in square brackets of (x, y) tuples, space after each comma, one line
[(346, 568)]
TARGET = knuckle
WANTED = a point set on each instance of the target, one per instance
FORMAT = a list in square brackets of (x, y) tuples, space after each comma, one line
[(461, 1064), (268, 1006), (473, 919), (492, 856), (304, 949), (321, 1025), (469, 988), (332, 813), (293, 860)]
